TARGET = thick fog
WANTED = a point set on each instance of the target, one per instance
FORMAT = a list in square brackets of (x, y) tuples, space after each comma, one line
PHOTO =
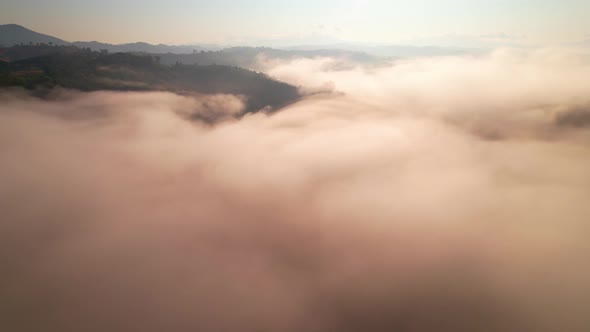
[(433, 194)]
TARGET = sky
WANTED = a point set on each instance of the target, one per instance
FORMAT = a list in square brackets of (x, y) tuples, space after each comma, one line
[(303, 21)]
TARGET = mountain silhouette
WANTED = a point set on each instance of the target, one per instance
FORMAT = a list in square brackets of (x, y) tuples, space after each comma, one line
[(13, 34), (139, 47)]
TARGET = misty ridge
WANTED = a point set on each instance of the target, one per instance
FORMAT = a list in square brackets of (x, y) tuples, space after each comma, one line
[(42, 66), (314, 191), (40, 62), (14, 35), (92, 71)]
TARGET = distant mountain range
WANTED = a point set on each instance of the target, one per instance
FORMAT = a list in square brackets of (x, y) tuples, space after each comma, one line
[(18, 40), (140, 47), (401, 51), (253, 57), (12, 34)]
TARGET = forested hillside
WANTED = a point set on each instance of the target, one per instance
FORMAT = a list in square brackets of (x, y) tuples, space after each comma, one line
[(85, 70)]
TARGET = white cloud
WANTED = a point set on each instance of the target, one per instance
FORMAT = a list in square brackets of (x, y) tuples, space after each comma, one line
[(432, 191)]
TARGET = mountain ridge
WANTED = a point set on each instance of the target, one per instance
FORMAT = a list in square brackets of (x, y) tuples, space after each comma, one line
[(27, 36), (85, 70), (14, 34)]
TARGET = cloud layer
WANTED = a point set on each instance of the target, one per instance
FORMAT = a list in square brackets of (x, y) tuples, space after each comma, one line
[(442, 194)]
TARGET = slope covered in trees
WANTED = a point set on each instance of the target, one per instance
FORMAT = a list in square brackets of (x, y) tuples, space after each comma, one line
[(86, 70)]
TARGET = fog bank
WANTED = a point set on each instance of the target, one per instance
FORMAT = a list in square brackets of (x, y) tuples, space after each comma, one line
[(441, 194)]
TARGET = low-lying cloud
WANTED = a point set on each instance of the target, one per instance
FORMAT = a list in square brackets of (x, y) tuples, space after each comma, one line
[(441, 194)]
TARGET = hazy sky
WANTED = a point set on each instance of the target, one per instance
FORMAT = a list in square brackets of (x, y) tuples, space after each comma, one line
[(183, 21)]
